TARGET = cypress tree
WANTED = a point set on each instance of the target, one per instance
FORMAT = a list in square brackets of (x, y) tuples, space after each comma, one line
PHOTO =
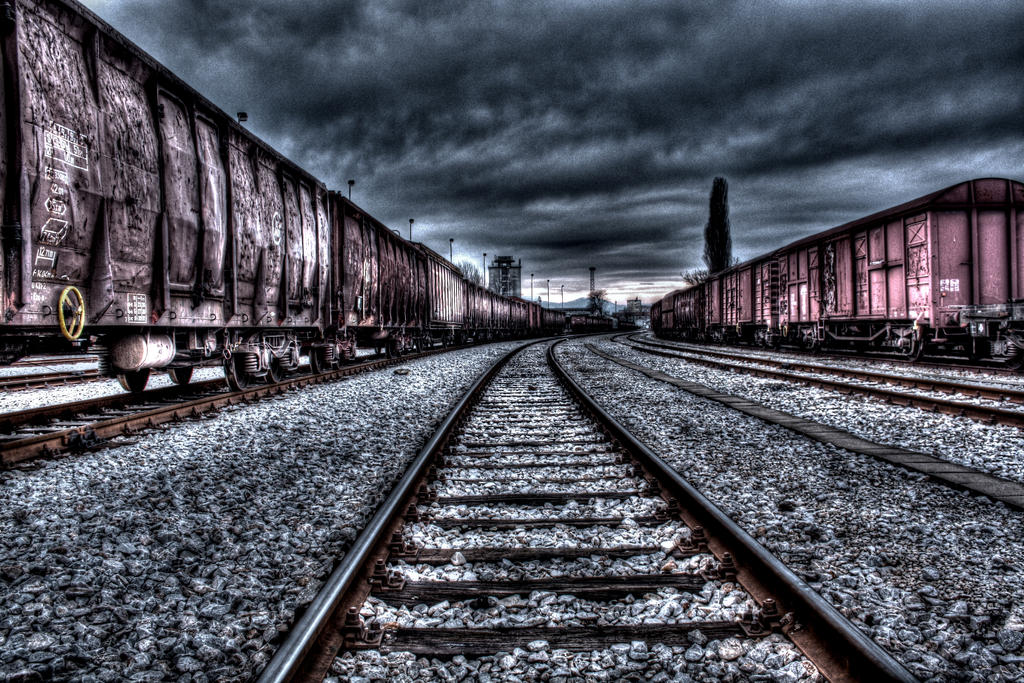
[(717, 240)]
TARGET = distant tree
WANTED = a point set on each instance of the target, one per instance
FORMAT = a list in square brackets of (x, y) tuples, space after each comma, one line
[(717, 240), (595, 300), (470, 272)]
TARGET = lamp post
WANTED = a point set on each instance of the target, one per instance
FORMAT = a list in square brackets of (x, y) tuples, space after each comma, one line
[(350, 184), (562, 292), (411, 221), (549, 292), (484, 273), (531, 286), (451, 246)]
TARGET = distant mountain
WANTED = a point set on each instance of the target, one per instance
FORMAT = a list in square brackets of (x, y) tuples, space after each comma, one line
[(583, 302)]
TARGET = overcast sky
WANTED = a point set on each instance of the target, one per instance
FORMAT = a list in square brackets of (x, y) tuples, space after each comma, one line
[(582, 132)]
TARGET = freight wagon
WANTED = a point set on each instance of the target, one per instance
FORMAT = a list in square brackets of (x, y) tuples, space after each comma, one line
[(591, 323), (942, 273), (144, 224)]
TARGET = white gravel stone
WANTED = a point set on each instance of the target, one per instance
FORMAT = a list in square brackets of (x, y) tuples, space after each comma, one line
[(891, 550), (189, 551)]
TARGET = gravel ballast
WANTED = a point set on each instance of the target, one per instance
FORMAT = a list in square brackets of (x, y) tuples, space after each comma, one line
[(995, 449), (185, 555), (931, 574)]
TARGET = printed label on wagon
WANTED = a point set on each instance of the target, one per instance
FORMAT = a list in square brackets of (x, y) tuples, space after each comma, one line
[(952, 285), (53, 232), (137, 310), (63, 144)]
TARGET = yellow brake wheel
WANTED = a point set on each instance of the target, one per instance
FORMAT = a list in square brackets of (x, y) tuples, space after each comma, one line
[(71, 313)]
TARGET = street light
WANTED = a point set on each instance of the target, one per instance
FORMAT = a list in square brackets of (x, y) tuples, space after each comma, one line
[(549, 292), (562, 292), (531, 286), (410, 229), (484, 263), (350, 184), (451, 243)]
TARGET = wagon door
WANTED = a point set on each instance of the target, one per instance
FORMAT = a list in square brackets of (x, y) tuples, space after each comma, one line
[(918, 266), (783, 294), (812, 311), (743, 295), (308, 279), (862, 306), (895, 280), (877, 291), (214, 202), (292, 271), (952, 244), (766, 286), (180, 192)]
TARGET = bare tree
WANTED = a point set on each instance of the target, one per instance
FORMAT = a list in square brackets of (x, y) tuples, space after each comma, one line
[(717, 240), (695, 276), (596, 300), (470, 272)]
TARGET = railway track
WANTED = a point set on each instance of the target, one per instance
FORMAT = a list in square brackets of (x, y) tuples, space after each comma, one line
[(864, 382), (524, 489), (48, 379), (97, 422), (53, 360)]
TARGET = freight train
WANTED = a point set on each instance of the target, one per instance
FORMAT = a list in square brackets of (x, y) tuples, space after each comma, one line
[(144, 224), (942, 274)]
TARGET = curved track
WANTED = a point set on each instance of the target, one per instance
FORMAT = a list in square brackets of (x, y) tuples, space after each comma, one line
[(527, 449)]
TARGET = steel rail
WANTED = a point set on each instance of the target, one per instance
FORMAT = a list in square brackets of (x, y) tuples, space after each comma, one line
[(926, 383), (847, 646), (54, 360), (981, 413), (289, 662), (46, 379)]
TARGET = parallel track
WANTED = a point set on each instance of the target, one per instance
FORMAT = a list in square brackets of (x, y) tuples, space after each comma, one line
[(49, 379), (90, 424), (788, 371), (484, 473), (53, 360)]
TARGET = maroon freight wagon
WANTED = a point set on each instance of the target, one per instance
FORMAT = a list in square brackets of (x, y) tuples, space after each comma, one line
[(944, 272)]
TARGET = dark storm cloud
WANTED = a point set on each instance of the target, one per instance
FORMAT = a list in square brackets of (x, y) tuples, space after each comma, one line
[(587, 133)]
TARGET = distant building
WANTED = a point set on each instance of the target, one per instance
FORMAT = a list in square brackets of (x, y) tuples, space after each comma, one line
[(635, 313), (504, 276)]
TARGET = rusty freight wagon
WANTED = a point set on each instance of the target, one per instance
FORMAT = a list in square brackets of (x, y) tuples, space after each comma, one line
[(140, 217), (942, 273), (446, 299), (552, 322), (381, 297)]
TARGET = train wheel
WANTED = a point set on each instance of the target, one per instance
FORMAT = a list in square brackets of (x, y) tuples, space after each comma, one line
[(234, 371), (916, 350), (274, 372), (134, 381), (316, 361), (180, 375)]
